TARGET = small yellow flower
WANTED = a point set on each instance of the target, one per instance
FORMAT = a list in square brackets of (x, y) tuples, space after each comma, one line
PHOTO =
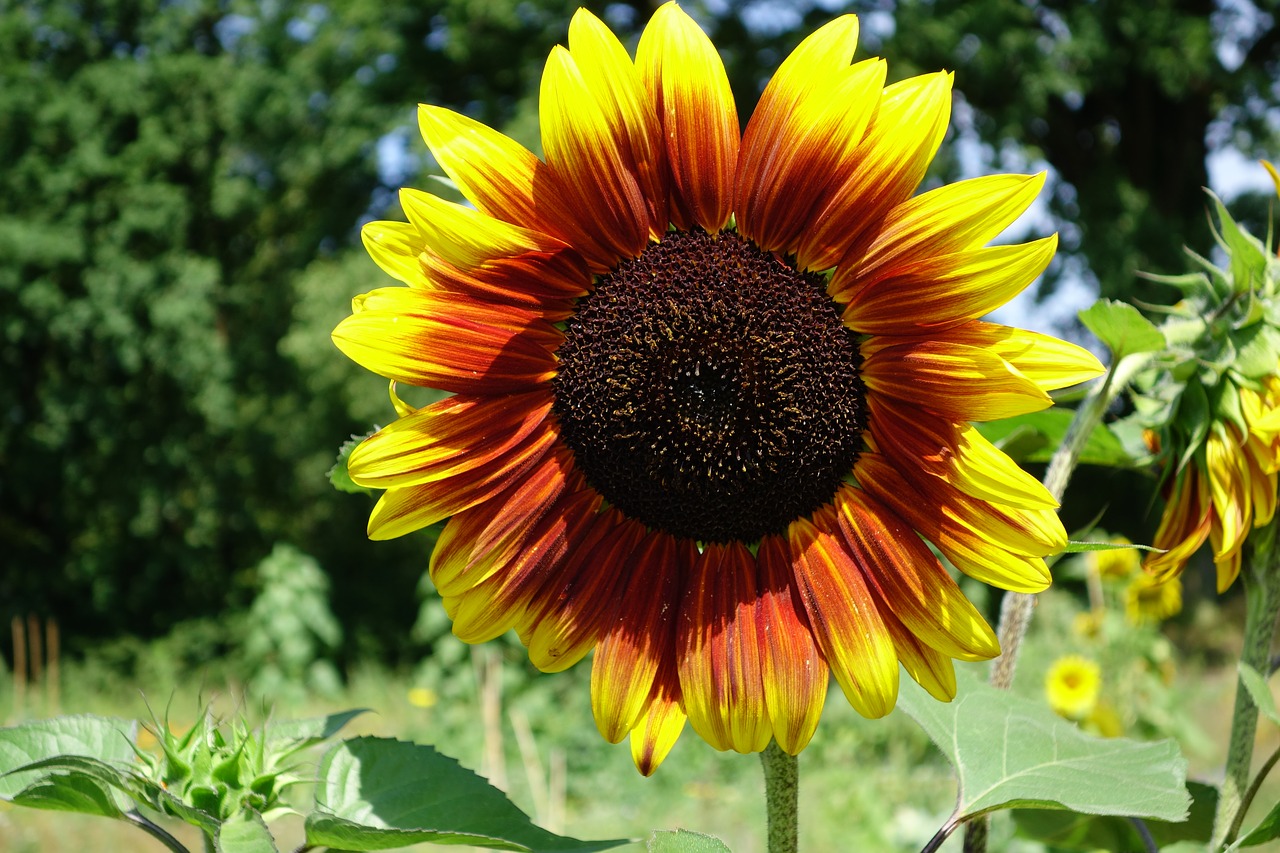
[(1104, 720), (422, 697), (1088, 624), (1116, 564), (1148, 600), (1072, 685)]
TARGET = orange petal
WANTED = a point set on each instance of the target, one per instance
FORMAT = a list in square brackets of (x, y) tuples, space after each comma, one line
[(640, 635), (955, 453), (505, 180), (404, 509), (1047, 361), (446, 438), (785, 174), (950, 219), (479, 541), (719, 651), (1184, 524), (591, 161), (969, 549), (566, 619), (795, 675), (906, 578), (661, 723), (945, 291), (513, 567), (959, 382), (690, 91), (628, 109), (445, 341), (890, 161), (845, 620)]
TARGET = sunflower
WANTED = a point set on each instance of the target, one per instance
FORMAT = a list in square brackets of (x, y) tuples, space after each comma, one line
[(709, 389), (1228, 489), (1071, 685), (1147, 600)]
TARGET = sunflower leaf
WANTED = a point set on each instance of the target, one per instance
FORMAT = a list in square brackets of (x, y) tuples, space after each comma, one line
[(1009, 751), (1064, 830), (1260, 692), (684, 841), (75, 763), (1122, 328), (1077, 547), (1267, 830), (380, 793)]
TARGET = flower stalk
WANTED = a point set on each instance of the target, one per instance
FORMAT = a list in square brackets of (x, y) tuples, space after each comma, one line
[(1261, 577), (781, 794)]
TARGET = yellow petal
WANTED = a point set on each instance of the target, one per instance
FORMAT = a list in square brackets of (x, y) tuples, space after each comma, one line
[(1047, 361), (395, 246)]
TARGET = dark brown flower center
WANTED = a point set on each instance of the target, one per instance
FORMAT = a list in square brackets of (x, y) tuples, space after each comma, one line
[(709, 389)]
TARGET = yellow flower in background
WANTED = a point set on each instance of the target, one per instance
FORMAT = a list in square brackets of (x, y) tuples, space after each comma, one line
[(422, 697), (711, 388), (1072, 685), (1148, 600), (1116, 564), (1228, 489)]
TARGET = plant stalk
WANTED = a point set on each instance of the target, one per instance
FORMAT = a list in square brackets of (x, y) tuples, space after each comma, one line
[(782, 798), (139, 820), (1261, 578)]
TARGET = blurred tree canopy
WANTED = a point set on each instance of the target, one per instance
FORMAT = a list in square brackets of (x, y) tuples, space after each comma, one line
[(183, 182)]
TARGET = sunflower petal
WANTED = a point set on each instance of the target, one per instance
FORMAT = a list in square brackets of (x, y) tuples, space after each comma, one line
[(969, 549), (928, 667), (1184, 524), (445, 341), (661, 723), (719, 651), (690, 91), (505, 180), (947, 290), (446, 438), (950, 219), (395, 246), (640, 636), (627, 107), (510, 574), (908, 580), (899, 143), (795, 675), (960, 382), (956, 453), (588, 156), (404, 509), (845, 620), (784, 176), (1047, 361), (573, 612)]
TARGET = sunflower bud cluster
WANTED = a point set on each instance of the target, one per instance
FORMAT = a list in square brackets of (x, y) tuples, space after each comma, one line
[(1211, 404)]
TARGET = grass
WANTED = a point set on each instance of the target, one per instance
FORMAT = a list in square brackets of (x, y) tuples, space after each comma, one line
[(872, 785)]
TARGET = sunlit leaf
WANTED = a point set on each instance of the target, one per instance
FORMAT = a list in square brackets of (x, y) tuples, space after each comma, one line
[(1010, 751), (1063, 830), (1122, 328), (245, 833), (684, 841), (1034, 438), (380, 793)]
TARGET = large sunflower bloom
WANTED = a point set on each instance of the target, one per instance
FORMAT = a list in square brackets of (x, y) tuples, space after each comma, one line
[(1227, 489), (710, 389)]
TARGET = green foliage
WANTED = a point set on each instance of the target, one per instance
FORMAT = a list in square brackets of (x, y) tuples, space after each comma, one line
[(684, 841), (290, 630), (1070, 831), (228, 779), (1034, 438), (1122, 328), (1009, 751)]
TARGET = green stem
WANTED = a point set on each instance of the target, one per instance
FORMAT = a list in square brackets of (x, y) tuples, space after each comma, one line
[(1261, 577), (781, 796), (137, 819)]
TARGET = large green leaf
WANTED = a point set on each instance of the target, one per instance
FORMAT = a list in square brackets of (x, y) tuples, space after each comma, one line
[(1010, 751), (244, 833), (67, 763), (1122, 328), (684, 841), (381, 793), (1065, 830), (1034, 438), (295, 735)]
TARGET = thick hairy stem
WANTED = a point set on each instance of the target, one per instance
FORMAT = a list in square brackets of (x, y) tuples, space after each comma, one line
[(1261, 577), (782, 798)]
